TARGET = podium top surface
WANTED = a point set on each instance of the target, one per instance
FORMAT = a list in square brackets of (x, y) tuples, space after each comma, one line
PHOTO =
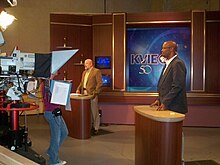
[(161, 116), (80, 97)]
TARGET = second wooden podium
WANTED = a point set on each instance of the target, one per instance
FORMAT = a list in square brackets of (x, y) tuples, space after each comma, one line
[(78, 120), (158, 136)]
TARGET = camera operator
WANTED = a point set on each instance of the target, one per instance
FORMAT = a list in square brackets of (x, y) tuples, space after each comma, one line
[(58, 128)]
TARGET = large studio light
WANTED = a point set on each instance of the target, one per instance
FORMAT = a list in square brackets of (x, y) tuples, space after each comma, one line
[(5, 20)]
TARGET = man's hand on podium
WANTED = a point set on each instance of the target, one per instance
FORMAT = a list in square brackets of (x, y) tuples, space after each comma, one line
[(156, 103), (162, 107)]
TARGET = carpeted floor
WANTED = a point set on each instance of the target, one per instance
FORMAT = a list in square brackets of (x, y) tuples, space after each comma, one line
[(115, 144)]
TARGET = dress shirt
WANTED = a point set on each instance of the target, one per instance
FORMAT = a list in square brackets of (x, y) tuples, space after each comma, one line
[(86, 78), (167, 62)]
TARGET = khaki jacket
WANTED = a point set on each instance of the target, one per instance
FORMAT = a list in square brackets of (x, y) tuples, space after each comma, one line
[(94, 82)]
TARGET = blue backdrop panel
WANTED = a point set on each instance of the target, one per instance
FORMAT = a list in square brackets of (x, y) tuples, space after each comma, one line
[(143, 66)]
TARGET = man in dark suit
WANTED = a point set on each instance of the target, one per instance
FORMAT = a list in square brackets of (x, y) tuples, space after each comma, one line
[(172, 82), (91, 84)]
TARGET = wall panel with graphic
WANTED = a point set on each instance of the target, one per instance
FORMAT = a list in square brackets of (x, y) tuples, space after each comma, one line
[(143, 55)]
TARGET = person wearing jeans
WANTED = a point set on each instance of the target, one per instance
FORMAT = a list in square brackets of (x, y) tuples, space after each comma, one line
[(58, 128), (58, 133)]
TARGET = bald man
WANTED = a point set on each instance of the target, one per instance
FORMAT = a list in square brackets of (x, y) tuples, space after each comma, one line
[(91, 83), (172, 82)]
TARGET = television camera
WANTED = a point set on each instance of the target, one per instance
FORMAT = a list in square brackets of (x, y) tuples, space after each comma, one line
[(20, 74), (16, 72)]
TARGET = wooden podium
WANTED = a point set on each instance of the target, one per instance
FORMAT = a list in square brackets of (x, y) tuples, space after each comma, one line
[(158, 136), (78, 120)]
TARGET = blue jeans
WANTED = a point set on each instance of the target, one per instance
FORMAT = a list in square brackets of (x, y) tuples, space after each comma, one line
[(58, 133)]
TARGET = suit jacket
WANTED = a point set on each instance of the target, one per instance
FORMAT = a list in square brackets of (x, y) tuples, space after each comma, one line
[(94, 82), (171, 86)]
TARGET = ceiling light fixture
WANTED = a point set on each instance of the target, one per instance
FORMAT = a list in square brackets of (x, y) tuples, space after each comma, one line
[(6, 20), (12, 2), (8, 3)]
